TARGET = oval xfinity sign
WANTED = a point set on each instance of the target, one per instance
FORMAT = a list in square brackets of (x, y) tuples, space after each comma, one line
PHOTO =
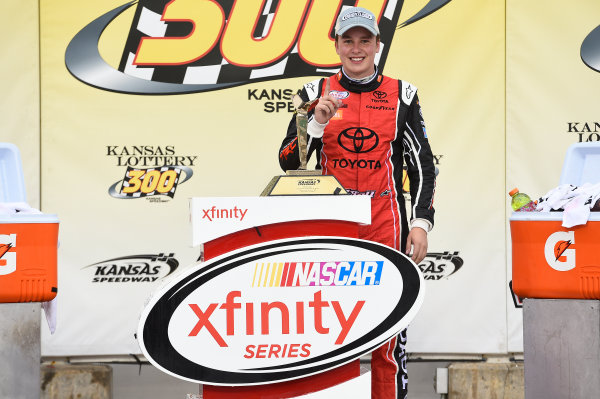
[(280, 310)]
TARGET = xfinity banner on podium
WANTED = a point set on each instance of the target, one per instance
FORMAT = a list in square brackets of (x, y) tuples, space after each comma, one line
[(280, 310)]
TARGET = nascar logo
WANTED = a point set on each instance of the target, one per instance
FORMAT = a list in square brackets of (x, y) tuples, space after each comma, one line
[(314, 274)]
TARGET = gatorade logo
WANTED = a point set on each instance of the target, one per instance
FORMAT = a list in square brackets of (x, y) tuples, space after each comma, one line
[(559, 251), (8, 258)]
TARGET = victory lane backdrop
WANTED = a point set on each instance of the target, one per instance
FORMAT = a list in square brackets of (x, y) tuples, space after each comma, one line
[(541, 123), (102, 151), (458, 67), (105, 134)]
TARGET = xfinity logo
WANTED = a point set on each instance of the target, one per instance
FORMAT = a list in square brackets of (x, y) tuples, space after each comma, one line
[(8, 258), (314, 307), (216, 213), (559, 252)]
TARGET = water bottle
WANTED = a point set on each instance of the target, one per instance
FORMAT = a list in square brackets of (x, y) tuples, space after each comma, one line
[(521, 202)]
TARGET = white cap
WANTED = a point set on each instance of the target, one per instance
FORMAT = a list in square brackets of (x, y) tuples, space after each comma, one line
[(356, 16)]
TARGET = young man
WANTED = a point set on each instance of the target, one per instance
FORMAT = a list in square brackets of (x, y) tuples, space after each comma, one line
[(363, 128)]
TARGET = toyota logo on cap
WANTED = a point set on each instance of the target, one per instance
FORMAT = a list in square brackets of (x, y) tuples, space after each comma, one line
[(358, 139)]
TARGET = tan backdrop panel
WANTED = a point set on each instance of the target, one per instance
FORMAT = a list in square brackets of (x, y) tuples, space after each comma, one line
[(456, 58), (20, 100), (551, 99), (225, 142)]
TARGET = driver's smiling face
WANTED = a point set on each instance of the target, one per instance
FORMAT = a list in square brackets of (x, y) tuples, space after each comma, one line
[(357, 48)]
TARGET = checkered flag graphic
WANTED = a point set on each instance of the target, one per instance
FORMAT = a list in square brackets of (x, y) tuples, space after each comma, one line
[(147, 184), (213, 68)]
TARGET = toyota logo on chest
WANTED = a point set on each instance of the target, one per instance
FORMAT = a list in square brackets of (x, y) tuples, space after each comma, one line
[(358, 140)]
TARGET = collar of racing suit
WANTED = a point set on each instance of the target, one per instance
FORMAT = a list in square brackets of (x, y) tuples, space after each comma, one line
[(357, 87)]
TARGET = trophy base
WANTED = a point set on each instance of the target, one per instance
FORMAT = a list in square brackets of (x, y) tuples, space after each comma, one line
[(303, 172), (303, 182)]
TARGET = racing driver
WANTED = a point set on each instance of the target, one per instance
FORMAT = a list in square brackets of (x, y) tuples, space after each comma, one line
[(364, 129)]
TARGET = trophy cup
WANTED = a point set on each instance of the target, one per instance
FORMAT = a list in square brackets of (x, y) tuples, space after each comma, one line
[(303, 181)]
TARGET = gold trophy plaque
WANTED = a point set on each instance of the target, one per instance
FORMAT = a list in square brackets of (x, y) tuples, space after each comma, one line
[(303, 181)]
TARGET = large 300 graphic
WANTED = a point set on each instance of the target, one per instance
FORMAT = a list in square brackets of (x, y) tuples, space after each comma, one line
[(139, 183), (186, 46)]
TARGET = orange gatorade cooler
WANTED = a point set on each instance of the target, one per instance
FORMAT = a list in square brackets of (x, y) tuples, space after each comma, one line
[(28, 247), (551, 261)]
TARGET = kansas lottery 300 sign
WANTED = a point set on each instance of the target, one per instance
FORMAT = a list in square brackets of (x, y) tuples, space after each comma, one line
[(280, 310), (190, 46)]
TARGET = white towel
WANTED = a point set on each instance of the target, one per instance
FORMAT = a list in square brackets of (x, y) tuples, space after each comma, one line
[(576, 202), (50, 309), (576, 212), (11, 208), (556, 198)]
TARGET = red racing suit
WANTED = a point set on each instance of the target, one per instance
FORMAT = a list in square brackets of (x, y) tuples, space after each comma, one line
[(377, 130)]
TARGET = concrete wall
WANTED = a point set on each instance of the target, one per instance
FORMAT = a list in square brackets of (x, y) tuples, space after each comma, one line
[(62, 380), (562, 348), (486, 380), (20, 351)]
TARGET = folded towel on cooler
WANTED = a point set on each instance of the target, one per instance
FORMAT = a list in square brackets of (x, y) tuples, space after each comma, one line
[(576, 212), (576, 202), (11, 208), (556, 198)]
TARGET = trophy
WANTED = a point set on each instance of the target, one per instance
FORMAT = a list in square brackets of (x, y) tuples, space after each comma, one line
[(303, 181)]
